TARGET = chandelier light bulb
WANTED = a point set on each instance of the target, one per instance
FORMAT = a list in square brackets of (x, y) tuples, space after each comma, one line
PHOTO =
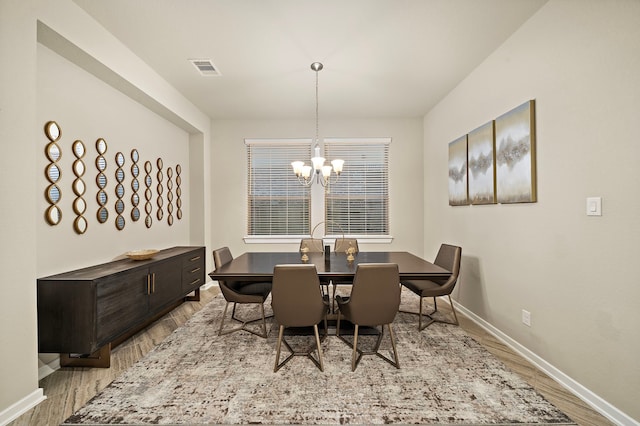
[(337, 165)]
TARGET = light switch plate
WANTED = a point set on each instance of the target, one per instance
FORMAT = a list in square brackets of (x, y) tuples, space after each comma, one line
[(594, 206)]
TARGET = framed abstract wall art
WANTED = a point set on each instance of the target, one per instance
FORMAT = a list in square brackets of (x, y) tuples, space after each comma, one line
[(515, 155), (482, 182), (458, 189)]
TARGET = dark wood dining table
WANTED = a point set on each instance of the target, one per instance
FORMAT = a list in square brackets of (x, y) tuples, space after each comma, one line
[(258, 266)]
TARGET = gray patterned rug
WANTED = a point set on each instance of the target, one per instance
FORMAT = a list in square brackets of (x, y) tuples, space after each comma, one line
[(198, 377)]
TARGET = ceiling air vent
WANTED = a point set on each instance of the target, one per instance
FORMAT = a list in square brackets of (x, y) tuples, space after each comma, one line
[(205, 66)]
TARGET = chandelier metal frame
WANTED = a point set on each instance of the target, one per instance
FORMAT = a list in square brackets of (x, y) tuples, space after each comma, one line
[(304, 172)]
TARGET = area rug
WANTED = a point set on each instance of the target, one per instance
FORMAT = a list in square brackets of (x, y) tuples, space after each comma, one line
[(198, 377)]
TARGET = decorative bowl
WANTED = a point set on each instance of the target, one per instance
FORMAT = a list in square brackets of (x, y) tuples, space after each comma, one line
[(141, 254)]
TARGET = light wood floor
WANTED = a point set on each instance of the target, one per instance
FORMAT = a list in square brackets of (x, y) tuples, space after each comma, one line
[(68, 389)]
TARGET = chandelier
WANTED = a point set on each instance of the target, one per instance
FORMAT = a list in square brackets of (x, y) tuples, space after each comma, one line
[(302, 171)]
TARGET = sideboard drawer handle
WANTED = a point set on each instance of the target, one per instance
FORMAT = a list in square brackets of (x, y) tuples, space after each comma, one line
[(193, 259), (195, 270), (195, 281)]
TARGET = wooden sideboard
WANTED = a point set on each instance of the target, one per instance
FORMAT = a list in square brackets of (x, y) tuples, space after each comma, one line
[(82, 314)]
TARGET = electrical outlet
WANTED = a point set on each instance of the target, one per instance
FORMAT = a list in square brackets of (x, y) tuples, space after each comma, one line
[(526, 318)]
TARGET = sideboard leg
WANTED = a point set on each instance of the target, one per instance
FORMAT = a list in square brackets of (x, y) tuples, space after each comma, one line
[(100, 359), (195, 297)]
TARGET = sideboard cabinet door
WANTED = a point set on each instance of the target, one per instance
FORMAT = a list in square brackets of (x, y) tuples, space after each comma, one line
[(165, 283), (122, 301)]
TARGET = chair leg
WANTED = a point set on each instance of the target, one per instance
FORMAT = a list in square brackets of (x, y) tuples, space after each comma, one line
[(393, 345), (278, 345), (354, 362), (264, 322), (281, 340), (430, 319), (224, 314), (453, 309), (333, 299), (326, 327), (315, 328), (243, 325), (395, 362), (357, 354)]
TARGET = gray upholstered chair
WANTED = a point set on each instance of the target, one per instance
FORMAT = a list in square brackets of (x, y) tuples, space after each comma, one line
[(374, 301), (342, 244), (315, 245), (448, 257), (243, 292), (297, 302)]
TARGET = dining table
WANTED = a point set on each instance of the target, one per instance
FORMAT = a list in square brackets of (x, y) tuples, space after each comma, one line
[(258, 266)]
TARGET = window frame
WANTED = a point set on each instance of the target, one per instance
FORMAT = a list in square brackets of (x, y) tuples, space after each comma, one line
[(367, 237), (281, 145), (317, 196)]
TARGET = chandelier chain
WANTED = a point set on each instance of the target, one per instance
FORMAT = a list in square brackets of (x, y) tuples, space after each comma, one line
[(317, 125)]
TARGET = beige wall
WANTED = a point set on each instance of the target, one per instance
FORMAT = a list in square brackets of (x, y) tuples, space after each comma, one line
[(38, 85), (87, 109), (18, 171), (229, 170), (579, 60)]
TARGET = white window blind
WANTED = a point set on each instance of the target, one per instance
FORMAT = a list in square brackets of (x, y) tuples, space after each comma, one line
[(359, 201), (278, 204)]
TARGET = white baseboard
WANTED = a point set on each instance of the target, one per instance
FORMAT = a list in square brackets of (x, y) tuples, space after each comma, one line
[(19, 408), (209, 285), (597, 403)]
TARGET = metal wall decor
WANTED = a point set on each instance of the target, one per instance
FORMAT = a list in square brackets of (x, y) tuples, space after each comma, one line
[(148, 207), (53, 214), (53, 193), (101, 180), (119, 205), (169, 196), (178, 192), (79, 205), (135, 186), (159, 189)]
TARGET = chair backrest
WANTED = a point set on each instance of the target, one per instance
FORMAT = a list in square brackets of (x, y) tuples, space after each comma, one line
[(295, 295), (221, 257), (313, 244), (342, 244), (449, 258), (375, 296)]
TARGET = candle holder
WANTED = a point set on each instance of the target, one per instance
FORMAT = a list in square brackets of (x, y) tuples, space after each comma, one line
[(305, 257), (350, 252)]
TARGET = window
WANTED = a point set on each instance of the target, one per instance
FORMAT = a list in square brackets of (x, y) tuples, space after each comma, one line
[(358, 203), (277, 204)]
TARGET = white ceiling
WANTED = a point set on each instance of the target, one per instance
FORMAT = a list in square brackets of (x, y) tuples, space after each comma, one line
[(382, 58)]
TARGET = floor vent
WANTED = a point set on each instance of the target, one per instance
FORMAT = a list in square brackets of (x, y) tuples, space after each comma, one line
[(205, 66)]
